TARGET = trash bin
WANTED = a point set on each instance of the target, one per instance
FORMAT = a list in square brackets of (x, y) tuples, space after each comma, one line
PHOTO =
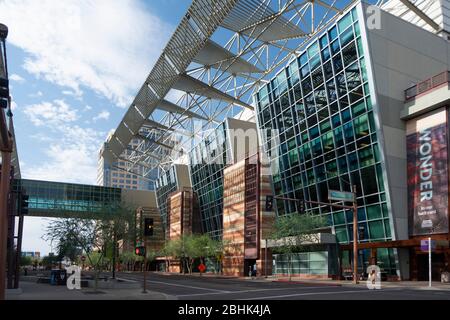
[(58, 277)]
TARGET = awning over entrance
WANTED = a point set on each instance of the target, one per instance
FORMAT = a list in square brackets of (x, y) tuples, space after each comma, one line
[(314, 239)]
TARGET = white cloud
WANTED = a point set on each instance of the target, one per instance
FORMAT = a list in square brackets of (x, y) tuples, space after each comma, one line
[(54, 113), (104, 115), (42, 137), (15, 77), (36, 95), (72, 158), (78, 95), (13, 105), (108, 46)]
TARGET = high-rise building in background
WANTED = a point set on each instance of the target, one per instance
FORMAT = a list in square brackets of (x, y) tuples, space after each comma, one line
[(119, 173)]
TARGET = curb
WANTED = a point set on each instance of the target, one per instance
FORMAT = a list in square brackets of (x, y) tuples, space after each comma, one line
[(310, 283)]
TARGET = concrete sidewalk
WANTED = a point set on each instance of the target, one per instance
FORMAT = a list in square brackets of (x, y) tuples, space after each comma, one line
[(418, 285), (41, 291)]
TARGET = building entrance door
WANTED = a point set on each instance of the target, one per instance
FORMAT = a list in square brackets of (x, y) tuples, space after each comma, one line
[(437, 264), (250, 267)]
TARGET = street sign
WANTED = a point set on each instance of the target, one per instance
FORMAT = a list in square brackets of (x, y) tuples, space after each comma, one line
[(340, 196), (202, 267), (424, 245)]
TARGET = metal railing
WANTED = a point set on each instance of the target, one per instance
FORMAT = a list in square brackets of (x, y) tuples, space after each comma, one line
[(426, 85)]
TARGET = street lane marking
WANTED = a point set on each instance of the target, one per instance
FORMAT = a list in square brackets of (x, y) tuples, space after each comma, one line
[(314, 293), (242, 291), (191, 287), (186, 286)]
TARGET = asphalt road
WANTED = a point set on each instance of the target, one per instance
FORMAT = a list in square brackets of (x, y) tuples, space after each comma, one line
[(206, 288)]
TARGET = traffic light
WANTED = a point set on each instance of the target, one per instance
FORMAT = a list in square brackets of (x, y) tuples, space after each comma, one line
[(301, 206), (140, 251), (148, 227), (23, 204), (361, 231), (269, 203), (4, 92)]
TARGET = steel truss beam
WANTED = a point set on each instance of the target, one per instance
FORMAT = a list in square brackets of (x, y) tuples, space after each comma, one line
[(216, 91), (411, 6)]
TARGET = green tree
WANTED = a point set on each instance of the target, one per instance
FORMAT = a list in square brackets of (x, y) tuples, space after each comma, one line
[(118, 223), (83, 232), (112, 222), (25, 261), (295, 230), (69, 249), (207, 247), (171, 251), (49, 261), (187, 248)]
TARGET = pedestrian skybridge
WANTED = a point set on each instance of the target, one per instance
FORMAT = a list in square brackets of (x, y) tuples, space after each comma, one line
[(67, 200)]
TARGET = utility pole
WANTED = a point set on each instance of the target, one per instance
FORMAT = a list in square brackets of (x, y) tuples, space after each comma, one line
[(429, 262), (355, 238), (114, 252), (6, 150), (265, 261), (258, 206), (145, 265)]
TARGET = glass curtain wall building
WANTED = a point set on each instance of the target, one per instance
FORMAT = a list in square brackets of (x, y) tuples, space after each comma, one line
[(208, 160), (165, 185), (174, 179), (232, 141), (321, 107)]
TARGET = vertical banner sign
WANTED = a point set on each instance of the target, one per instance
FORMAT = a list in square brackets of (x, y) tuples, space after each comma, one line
[(428, 174)]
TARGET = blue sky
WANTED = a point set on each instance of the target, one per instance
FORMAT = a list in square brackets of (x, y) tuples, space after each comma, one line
[(74, 68)]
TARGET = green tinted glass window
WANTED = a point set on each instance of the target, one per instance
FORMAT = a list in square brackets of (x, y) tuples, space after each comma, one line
[(366, 157), (345, 22), (387, 227), (339, 218), (361, 126), (323, 41), (380, 178), (374, 212), (333, 33), (327, 140), (376, 229), (341, 234), (313, 50), (358, 108)]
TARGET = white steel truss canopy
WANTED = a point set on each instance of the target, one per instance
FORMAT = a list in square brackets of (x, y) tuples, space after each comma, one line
[(189, 84), (215, 79), (171, 107), (255, 15), (214, 55)]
